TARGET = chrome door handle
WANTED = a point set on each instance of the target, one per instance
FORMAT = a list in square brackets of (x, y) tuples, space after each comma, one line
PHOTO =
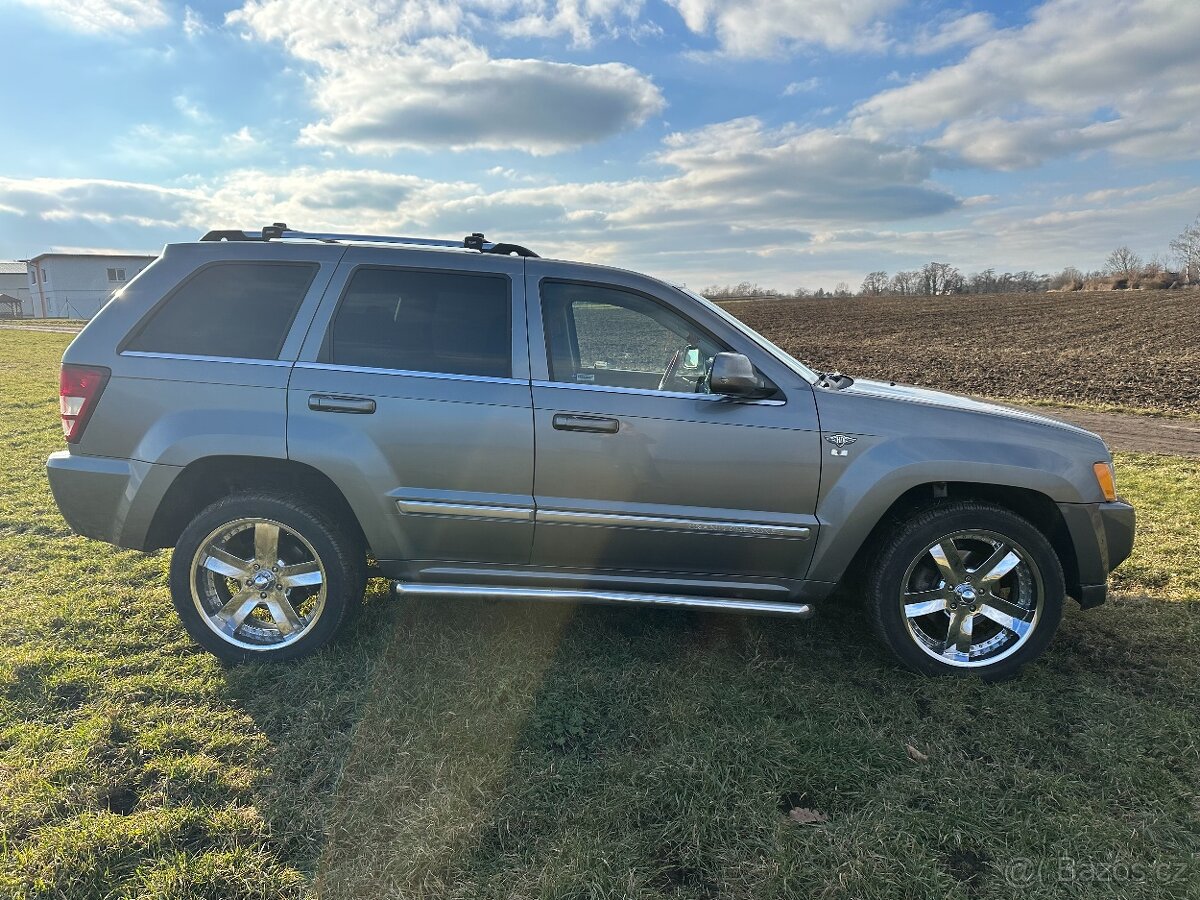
[(593, 424), (362, 406)]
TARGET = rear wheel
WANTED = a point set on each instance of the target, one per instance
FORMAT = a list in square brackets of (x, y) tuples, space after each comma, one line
[(262, 576), (966, 588)]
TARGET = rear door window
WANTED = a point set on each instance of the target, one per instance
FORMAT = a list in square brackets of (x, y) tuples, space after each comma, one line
[(423, 321), (236, 310)]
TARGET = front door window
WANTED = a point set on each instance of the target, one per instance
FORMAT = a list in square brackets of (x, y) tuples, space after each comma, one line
[(608, 336)]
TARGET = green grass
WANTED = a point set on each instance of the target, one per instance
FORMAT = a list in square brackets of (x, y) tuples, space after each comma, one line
[(488, 750)]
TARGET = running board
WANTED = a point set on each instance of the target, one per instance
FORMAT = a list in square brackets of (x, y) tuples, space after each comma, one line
[(621, 598)]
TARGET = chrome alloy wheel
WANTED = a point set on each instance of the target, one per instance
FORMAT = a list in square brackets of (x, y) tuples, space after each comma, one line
[(972, 598), (258, 584)]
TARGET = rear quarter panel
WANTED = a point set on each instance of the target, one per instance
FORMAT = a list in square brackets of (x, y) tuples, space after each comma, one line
[(173, 409)]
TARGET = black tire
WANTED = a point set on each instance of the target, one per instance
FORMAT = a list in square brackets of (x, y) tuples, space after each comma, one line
[(904, 556), (341, 556)]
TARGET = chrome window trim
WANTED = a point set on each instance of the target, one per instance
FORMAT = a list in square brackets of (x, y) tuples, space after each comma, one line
[(650, 392), (467, 510), (409, 373), (619, 520), (243, 360)]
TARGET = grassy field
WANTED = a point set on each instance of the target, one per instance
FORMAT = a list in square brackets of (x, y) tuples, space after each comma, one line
[(479, 750), (1105, 349)]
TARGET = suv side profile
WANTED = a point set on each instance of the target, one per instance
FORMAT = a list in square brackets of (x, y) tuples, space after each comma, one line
[(280, 407)]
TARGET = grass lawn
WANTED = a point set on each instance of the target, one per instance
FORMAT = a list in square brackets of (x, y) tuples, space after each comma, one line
[(487, 750)]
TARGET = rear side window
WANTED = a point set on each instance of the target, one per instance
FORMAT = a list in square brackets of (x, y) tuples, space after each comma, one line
[(453, 323), (240, 310)]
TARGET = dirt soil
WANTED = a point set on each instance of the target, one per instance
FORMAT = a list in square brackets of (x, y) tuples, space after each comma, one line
[(1133, 349)]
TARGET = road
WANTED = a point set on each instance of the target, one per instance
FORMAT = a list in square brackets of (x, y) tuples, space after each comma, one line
[(1131, 433)]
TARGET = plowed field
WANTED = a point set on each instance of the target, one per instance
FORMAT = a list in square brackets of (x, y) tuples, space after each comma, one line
[(1135, 350)]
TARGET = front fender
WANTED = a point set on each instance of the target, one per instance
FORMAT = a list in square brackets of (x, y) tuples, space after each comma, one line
[(859, 488)]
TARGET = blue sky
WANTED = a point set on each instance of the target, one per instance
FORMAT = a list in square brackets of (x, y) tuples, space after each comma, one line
[(789, 142)]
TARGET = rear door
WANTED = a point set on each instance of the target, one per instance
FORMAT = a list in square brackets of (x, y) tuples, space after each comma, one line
[(637, 468), (412, 394)]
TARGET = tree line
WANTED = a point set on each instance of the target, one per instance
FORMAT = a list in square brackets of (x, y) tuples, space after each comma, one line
[(1123, 269)]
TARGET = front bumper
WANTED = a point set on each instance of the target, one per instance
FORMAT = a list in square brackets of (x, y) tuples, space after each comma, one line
[(1101, 535), (108, 499)]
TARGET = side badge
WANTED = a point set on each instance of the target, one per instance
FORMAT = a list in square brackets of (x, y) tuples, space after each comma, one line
[(840, 443)]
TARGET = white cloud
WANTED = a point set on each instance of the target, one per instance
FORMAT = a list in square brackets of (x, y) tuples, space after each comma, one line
[(965, 30), (750, 28), (578, 19), (194, 25), (802, 87), (103, 16), (408, 73), (783, 240), (1121, 75), (190, 109), (450, 94), (733, 187)]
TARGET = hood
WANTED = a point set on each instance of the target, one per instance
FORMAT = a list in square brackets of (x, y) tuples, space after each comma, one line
[(884, 390)]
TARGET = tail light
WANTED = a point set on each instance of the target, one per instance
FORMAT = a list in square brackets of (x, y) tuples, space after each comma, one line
[(79, 389)]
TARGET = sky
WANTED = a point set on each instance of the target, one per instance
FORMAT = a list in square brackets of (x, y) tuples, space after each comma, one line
[(792, 143)]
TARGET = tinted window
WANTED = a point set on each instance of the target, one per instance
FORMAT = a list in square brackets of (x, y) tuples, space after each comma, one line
[(423, 322), (242, 310), (603, 335)]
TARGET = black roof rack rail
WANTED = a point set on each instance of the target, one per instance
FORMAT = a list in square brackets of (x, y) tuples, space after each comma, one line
[(280, 232)]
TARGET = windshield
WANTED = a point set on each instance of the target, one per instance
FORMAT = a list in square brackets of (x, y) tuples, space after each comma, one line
[(778, 352)]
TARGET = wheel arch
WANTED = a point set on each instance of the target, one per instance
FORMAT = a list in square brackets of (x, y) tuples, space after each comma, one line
[(1038, 508), (210, 478)]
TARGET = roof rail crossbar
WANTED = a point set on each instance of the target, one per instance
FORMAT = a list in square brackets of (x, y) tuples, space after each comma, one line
[(280, 232)]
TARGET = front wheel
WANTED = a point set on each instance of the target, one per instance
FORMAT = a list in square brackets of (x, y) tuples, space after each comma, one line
[(964, 588), (263, 576)]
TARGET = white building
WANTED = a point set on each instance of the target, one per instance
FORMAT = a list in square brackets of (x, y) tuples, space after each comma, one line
[(76, 285), (14, 285)]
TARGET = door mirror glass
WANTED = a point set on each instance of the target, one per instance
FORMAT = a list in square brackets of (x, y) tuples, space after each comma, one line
[(733, 375)]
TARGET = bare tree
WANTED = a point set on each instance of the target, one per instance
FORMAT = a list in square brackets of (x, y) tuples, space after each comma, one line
[(842, 289), (875, 283), (905, 283), (1069, 279), (1123, 263), (939, 278), (1186, 250)]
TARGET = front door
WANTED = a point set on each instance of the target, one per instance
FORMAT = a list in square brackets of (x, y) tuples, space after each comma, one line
[(637, 467), (412, 394)]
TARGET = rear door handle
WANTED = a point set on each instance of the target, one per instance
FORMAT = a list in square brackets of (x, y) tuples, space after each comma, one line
[(362, 406), (593, 424)]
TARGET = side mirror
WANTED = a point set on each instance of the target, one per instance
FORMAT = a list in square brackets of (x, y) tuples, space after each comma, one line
[(733, 375)]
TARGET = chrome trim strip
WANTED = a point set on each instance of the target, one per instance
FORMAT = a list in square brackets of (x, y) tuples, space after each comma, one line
[(624, 598), (468, 510), (647, 392), (446, 376), (615, 520), (145, 354)]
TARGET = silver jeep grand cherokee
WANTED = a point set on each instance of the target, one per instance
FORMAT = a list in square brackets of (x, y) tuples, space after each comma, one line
[(281, 406)]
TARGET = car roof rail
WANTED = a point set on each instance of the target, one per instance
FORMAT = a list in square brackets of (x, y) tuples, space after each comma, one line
[(280, 232)]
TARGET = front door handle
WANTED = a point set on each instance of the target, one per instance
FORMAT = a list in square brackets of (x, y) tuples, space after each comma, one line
[(362, 406), (593, 424)]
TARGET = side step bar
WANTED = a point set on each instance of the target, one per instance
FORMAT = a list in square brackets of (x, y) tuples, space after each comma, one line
[(623, 598)]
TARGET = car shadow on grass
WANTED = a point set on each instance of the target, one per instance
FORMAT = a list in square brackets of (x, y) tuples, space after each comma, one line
[(483, 749)]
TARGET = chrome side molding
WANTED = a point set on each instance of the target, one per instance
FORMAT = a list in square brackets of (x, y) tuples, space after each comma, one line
[(601, 597), (464, 510), (667, 523), (606, 520)]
